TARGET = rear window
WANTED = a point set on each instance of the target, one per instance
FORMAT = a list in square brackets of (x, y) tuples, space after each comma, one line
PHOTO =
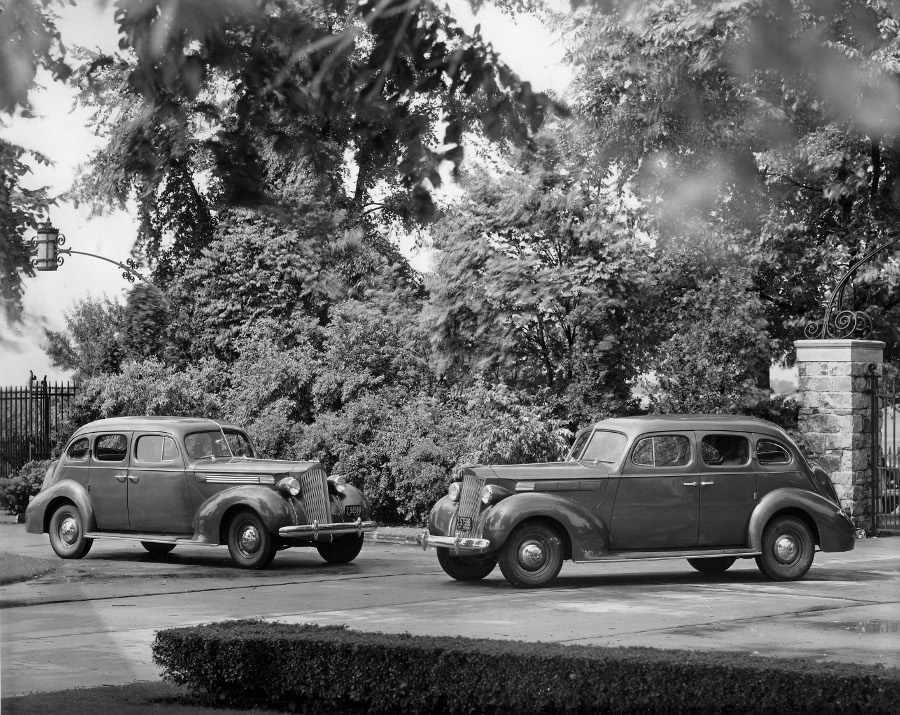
[(78, 450), (725, 450), (769, 452), (111, 448)]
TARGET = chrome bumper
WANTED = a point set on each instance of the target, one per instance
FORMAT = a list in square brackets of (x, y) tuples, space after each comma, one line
[(313, 530), (456, 543)]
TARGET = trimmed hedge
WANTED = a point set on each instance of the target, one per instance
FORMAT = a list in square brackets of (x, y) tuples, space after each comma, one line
[(330, 668), (16, 490)]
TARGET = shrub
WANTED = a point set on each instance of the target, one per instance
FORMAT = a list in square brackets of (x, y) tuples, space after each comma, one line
[(15, 490), (311, 668)]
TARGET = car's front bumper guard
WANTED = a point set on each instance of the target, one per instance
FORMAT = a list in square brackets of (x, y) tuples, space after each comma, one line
[(455, 543), (312, 531)]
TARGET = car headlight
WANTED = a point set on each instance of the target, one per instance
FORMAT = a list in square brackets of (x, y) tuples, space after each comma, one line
[(493, 493), (338, 482), (289, 485), (453, 491)]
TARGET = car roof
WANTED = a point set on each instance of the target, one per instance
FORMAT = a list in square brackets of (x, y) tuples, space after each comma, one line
[(701, 423), (176, 425)]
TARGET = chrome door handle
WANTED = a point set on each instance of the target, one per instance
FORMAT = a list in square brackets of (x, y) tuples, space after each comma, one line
[(706, 484), (121, 477), (134, 478), (690, 484)]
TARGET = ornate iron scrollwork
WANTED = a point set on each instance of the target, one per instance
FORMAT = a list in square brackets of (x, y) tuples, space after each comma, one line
[(843, 324)]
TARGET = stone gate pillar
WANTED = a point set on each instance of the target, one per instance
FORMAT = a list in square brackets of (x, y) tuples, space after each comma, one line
[(835, 423)]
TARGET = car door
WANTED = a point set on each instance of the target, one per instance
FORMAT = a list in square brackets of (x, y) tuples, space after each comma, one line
[(657, 504), (108, 480), (727, 488), (159, 497)]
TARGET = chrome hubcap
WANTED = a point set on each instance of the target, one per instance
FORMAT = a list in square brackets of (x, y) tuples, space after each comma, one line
[(531, 555), (249, 539), (68, 530), (786, 549)]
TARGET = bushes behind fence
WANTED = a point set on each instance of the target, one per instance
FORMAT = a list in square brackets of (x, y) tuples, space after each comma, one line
[(306, 667)]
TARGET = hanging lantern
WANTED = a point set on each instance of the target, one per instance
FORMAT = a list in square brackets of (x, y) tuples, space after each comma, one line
[(46, 245)]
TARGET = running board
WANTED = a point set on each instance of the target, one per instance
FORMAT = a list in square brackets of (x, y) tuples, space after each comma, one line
[(149, 538), (663, 555)]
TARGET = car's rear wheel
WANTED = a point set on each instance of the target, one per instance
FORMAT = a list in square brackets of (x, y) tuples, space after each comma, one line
[(532, 556), (342, 550), (157, 549), (249, 542), (67, 533), (787, 549), (719, 564), (466, 568)]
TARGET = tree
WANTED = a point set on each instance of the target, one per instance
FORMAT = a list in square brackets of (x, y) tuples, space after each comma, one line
[(94, 341), (533, 277), (773, 125)]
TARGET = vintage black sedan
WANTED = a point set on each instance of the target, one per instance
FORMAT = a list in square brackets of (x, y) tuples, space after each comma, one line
[(170, 481), (709, 489)]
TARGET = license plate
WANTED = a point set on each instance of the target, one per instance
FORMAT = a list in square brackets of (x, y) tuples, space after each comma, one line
[(464, 523), (354, 510)]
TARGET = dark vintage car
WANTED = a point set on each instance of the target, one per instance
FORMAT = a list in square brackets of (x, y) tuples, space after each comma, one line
[(169, 481), (711, 489)]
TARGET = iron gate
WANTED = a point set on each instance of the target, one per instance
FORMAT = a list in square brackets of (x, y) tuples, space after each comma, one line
[(29, 421), (885, 454)]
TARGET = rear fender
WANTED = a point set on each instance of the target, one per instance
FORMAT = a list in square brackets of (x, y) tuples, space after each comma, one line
[(42, 506), (274, 510), (587, 534), (835, 531)]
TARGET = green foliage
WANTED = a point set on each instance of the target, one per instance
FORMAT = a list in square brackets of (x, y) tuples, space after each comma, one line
[(714, 346), (533, 277), (17, 489), (94, 341), (254, 664)]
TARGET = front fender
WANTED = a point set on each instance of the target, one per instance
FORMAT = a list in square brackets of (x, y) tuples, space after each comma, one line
[(836, 532), (44, 503), (274, 510), (351, 496), (588, 535)]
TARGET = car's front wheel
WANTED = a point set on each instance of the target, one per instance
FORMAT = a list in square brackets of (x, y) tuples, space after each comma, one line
[(157, 549), (787, 549), (249, 542), (719, 564), (532, 556), (466, 568), (342, 550), (67, 533)]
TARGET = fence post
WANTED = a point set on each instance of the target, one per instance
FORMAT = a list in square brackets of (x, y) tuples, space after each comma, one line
[(835, 421)]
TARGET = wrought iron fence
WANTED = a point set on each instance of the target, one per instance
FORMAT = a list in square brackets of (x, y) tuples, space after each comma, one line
[(885, 454), (30, 418)]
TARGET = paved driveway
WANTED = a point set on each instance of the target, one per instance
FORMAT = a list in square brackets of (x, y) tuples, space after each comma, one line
[(91, 622)]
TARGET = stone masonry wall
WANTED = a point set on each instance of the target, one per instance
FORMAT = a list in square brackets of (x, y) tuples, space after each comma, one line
[(834, 422)]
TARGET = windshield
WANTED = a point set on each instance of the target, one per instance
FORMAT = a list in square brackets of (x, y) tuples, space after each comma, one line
[(599, 446), (209, 443), (239, 444)]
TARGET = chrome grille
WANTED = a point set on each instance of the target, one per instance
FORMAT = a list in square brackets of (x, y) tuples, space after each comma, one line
[(314, 492), (469, 499)]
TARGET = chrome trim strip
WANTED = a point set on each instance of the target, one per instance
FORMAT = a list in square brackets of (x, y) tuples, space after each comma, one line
[(313, 530), (457, 543), (229, 479), (525, 486)]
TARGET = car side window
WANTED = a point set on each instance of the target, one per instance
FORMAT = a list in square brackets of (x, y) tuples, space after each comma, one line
[(239, 445), (111, 448), (725, 450), (78, 450), (155, 448), (770, 452), (670, 450)]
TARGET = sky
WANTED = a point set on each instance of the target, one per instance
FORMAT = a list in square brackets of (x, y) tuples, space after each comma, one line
[(62, 132)]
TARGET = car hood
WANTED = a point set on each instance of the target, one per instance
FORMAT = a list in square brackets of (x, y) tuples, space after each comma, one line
[(542, 470), (244, 465)]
